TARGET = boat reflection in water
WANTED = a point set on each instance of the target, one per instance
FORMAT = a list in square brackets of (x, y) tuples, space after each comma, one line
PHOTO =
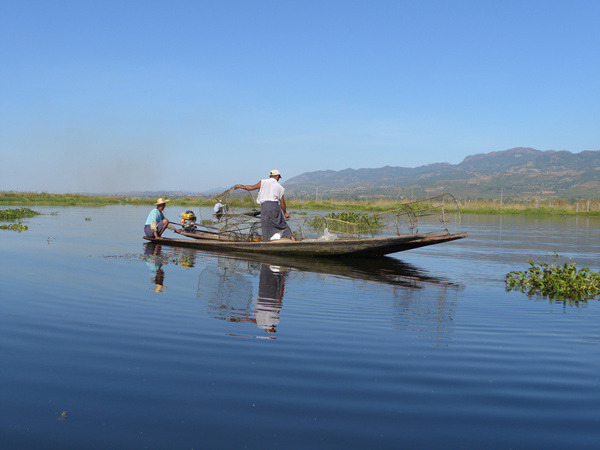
[(228, 286)]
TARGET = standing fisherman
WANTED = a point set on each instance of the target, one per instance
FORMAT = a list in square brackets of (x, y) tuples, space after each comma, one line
[(272, 207), (156, 223)]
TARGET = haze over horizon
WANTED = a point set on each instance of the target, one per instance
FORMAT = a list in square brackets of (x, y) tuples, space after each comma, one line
[(187, 96)]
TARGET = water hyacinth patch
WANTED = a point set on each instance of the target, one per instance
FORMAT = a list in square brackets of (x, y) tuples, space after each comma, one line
[(556, 282), (14, 227), (18, 213), (12, 214)]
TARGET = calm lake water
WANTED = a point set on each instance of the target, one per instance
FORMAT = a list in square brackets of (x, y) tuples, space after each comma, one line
[(108, 342)]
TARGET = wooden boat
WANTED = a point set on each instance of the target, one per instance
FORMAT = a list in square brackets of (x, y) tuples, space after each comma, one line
[(235, 232), (313, 247)]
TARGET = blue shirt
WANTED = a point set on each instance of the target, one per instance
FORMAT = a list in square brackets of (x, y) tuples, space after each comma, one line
[(155, 215)]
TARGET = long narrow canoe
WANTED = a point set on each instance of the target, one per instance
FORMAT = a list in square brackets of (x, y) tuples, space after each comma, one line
[(355, 247)]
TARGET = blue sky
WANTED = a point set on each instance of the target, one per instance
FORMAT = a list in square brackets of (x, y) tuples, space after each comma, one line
[(108, 96)]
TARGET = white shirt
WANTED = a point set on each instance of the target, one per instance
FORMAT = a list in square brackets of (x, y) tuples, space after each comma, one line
[(270, 191)]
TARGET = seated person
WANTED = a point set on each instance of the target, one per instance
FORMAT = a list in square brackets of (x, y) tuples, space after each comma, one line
[(156, 223)]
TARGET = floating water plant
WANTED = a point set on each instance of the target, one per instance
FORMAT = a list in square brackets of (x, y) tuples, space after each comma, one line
[(19, 213), (14, 227), (12, 214), (557, 282), (350, 222)]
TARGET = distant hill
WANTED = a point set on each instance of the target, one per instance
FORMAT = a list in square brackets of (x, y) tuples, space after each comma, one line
[(515, 173)]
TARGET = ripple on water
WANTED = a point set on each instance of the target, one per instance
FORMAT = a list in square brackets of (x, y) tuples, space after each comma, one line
[(420, 350)]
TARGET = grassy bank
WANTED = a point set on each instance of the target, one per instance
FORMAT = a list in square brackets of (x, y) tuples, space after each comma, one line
[(550, 208), (45, 199), (586, 208), (554, 207)]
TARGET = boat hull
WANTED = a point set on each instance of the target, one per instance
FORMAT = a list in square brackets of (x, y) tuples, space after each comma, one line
[(341, 247)]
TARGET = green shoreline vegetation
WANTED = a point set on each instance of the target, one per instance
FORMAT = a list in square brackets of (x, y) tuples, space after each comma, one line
[(551, 207)]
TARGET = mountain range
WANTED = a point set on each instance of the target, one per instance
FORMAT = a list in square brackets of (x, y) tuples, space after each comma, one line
[(515, 173)]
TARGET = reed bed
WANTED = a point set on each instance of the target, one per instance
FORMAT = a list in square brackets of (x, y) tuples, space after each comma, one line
[(532, 207), (45, 199), (584, 207)]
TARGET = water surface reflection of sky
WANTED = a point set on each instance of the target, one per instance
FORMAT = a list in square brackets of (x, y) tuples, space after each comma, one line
[(147, 347)]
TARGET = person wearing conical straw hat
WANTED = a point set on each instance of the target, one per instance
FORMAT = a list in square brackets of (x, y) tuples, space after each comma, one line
[(272, 207), (156, 223)]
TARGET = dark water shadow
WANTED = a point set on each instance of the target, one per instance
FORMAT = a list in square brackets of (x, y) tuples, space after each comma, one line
[(227, 285), (383, 269)]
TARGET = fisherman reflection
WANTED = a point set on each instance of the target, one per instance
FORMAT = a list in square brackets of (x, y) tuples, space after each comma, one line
[(155, 260), (159, 281), (270, 296), (228, 291)]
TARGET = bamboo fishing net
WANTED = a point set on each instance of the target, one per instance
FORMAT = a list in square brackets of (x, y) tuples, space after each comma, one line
[(436, 215), (239, 219)]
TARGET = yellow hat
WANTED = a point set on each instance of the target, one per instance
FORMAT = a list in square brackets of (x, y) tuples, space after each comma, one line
[(274, 172), (161, 201)]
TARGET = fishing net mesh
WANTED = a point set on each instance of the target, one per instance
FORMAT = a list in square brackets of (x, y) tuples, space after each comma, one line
[(239, 220)]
